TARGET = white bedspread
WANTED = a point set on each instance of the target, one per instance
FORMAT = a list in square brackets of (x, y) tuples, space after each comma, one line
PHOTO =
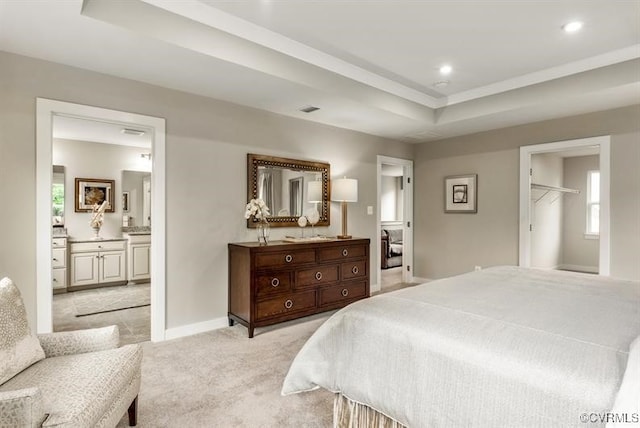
[(502, 347)]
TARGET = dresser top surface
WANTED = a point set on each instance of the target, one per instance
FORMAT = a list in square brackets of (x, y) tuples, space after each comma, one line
[(286, 244)]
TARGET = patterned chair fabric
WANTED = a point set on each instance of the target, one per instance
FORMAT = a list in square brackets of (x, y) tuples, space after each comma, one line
[(84, 380)]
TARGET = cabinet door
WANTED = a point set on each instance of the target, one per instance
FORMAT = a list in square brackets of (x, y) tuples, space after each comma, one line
[(84, 269), (139, 262), (112, 266)]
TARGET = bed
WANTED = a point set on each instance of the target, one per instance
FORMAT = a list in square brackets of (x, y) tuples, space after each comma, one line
[(500, 347)]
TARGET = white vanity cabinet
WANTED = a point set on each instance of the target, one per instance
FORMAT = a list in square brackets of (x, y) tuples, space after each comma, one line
[(139, 255), (98, 262), (59, 264)]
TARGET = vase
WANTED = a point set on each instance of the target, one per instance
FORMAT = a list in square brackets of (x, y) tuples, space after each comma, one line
[(96, 233), (263, 232)]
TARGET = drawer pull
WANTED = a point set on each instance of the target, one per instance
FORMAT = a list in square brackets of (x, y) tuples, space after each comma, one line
[(345, 252), (318, 276), (345, 292), (275, 282), (288, 304), (355, 270), (288, 258), (99, 246)]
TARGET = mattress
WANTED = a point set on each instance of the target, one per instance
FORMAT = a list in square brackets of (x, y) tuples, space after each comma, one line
[(501, 347)]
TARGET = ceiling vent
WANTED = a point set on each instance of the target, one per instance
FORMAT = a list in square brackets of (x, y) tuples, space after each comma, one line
[(309, 109), (130, 131)]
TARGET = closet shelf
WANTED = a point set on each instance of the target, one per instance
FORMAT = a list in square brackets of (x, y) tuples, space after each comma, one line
[(548, 189)]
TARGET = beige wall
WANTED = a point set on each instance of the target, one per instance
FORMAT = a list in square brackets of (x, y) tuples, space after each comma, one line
[(578, 251), (207, 143), (447, 244)]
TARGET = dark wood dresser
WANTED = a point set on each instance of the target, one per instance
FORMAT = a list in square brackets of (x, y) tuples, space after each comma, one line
[(281, 281)]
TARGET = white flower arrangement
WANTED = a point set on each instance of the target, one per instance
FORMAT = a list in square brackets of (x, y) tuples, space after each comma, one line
[(257, 209)]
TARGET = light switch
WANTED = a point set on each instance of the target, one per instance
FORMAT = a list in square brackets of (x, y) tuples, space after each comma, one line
[(369, 210)]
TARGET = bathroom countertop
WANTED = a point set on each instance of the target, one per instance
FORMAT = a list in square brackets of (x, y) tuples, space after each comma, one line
[(72, 240)]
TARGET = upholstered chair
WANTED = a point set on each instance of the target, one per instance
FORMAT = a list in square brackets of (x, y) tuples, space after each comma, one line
[(68, 379)]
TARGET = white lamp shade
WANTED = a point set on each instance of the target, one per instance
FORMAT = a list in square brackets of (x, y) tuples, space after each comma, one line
[(314, 191), (344, 189)]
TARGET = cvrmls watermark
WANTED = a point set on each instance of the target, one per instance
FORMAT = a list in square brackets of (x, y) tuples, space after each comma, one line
[(609, 417)]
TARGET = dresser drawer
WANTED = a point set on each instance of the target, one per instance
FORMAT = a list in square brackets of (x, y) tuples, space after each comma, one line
[(356, 269), (59, 278), (316, 276), (285, 258), (80, 247), (273, 283), (286, 303), (59, 242), (343, 292), (342, 252), (58, 257)]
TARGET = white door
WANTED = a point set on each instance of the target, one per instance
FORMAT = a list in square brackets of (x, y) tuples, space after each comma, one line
[(140, 262), (84, 269), (112, 266)]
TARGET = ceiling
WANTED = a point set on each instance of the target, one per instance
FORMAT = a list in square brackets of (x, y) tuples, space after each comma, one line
[(369, 65)]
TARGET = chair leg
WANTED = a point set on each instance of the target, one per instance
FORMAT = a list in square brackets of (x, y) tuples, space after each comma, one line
[(133, 412)]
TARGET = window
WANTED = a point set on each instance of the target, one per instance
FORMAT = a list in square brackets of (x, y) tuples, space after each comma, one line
[(593, 203)]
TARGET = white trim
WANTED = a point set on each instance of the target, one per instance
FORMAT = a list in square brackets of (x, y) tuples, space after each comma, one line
[(199, 327), (421, 280), (579, 268), (407, 212), (604, 142), (45, 110), (591, 236)]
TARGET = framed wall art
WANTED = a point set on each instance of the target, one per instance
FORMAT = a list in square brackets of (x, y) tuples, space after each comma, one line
[(90, 191), (461, 193)]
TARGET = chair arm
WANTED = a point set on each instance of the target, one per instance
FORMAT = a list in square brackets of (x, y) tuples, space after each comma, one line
[(21, 408), (79, 341)]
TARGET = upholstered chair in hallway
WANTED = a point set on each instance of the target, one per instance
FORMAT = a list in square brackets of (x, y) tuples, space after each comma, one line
[(67, 379)]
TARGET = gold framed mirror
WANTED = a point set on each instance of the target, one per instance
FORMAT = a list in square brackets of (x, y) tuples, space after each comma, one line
[(290, 188)]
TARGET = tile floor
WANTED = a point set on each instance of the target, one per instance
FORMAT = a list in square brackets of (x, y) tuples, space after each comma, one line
[(134, 324)]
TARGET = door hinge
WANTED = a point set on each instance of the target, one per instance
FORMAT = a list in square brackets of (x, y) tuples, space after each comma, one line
[(408, 180), (530, 228), (408, 224), (408, 268), (530, 172)]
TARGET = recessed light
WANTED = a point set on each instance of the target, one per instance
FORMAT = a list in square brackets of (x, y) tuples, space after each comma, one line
[(446, 69), (572, 27)]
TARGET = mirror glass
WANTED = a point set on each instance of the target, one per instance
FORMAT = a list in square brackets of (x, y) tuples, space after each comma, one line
[(289, 187), (57, 195), (136, 197)]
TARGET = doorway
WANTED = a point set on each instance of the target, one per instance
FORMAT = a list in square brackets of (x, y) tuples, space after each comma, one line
[(564, 205), (46, 111), (394, 224)]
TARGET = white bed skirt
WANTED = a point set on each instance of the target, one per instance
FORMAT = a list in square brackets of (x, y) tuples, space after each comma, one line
[(349, 414)]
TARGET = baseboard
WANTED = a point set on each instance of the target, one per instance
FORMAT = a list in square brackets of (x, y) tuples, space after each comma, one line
[(579, 268), (420, 280), (199, 327)]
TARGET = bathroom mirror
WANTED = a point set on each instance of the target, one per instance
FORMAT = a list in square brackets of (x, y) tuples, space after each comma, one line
[(136, 197), (57, 196), (289, 187)]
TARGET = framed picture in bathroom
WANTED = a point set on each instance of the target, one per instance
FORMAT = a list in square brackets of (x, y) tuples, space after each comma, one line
[(91, 191)]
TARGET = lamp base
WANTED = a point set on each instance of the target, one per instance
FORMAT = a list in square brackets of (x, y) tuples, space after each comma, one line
[(343, 236)]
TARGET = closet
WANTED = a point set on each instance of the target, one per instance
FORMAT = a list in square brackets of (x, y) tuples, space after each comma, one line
[(563, 206)]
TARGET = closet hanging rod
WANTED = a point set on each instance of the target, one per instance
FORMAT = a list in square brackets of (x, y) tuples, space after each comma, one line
[(553, 188)]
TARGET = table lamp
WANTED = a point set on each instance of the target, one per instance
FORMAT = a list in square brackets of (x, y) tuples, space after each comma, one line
[(344, 190)]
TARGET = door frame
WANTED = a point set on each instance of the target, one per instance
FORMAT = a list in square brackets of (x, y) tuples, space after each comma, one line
[(46, 109), (407, 221), (604, 143)]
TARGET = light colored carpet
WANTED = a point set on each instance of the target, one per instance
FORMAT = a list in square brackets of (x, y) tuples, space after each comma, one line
[(223, 379)]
